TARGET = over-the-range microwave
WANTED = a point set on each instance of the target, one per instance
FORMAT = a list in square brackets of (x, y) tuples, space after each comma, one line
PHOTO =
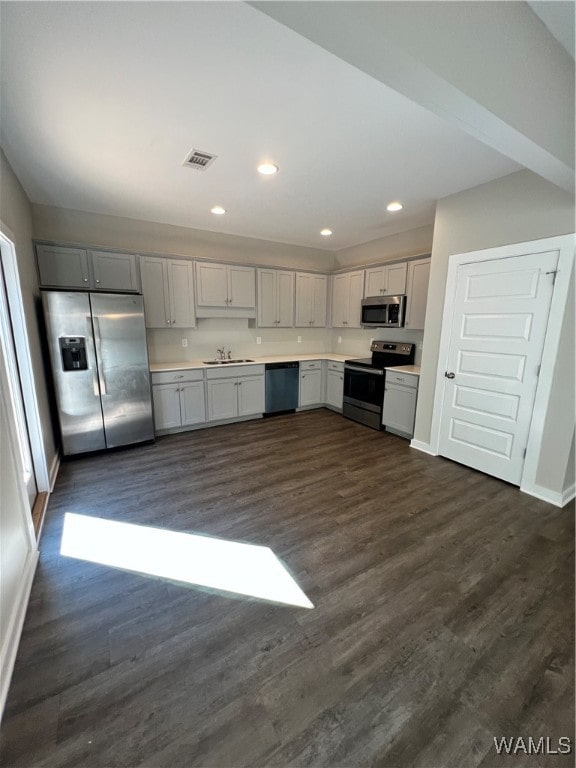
[(383, 312)]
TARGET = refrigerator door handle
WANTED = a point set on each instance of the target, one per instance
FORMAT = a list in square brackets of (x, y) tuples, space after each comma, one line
[(98, 345)]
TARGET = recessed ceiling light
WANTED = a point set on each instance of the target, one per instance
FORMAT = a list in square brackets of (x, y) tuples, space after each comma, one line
[(218, 210), (267, 169), (326, 232), (393, 207)]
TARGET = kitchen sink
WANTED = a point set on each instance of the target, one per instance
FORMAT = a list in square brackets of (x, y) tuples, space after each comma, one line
[(225, 362)]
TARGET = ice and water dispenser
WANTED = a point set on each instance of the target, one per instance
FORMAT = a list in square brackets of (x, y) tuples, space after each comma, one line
[(73, 352)]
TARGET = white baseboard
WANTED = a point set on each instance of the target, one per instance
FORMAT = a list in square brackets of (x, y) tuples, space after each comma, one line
[(54, 470), (552, 497), (15, 623), (424, 447), (568, 494)]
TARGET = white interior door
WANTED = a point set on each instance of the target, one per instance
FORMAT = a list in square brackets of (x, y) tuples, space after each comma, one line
[(500, 315)]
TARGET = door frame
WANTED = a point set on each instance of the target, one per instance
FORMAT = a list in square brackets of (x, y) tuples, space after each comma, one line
[(24, 358), (564, 244)]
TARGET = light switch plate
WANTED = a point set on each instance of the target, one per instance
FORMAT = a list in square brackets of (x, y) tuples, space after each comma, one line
[(299, 339), (184, 342), (258, 339)]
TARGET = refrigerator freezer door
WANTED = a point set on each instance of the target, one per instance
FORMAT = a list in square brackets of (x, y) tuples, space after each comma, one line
[(75, 372), (124, 379)]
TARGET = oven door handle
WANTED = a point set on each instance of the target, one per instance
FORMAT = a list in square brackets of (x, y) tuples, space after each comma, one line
[(369, 371)]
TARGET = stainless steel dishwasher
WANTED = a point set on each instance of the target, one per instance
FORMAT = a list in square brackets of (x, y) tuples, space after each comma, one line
[(282, 381)]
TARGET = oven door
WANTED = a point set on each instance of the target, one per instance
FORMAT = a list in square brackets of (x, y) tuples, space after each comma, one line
[(363, 395)]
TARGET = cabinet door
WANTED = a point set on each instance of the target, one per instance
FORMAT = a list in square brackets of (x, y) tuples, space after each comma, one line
[(166, 401), (285, 299), (319, 300), (155, 289), (222, 399), (399, 409), (267, 294), (340, 290), (355, 296), (62, 267), (334, 388), (375, 281), (181, 290), (241, 287), (417, 292), (192, 405), (211, 285), (395, 280), (304, 295), (250, 395), (115, 271), (311, 388)]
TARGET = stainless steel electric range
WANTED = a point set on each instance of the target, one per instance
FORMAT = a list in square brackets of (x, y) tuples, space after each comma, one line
[(364, 380)]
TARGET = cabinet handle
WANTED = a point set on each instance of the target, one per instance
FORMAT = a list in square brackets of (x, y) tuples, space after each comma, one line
[(173, 322), (167, 322), (97, 281), (85, 279)]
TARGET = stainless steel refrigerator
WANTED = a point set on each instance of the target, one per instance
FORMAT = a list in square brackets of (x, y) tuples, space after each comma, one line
[(100, 364)]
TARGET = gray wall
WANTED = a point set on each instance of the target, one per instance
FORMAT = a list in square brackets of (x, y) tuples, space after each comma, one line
[(16, 215), (68, 226), (415, 242), (516, 208)]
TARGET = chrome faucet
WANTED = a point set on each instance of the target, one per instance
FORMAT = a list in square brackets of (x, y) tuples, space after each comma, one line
[(229, 354), (221, 354)]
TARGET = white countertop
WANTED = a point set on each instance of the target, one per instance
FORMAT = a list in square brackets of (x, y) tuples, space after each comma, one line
[(415, 369), (193, 364)]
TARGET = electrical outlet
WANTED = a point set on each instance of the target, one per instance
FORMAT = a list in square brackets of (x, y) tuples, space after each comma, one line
[(258, 339), (299, 339), (339, 339), (184, 342)]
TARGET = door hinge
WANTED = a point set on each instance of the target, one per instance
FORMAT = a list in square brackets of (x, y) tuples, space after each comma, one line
[(552, 272), (524, 453), (538, 370)]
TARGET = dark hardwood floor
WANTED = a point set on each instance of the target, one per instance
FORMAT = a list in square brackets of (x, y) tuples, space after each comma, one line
[(444, 612)]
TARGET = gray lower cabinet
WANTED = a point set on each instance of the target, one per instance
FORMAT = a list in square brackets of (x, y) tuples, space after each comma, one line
[(311, 381), (179, 399), (334, 384), (400, 396), (64, 267), (235, 392)]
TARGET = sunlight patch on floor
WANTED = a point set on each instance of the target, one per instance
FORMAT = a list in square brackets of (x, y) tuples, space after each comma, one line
[(230, 566)]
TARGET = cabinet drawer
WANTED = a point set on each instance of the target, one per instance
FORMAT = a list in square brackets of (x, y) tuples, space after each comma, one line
[(234, 371), (407, 379), (335, 366), (310, 365), (175, 377)]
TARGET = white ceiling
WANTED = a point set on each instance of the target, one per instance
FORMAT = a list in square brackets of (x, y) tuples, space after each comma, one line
[(101, 102)]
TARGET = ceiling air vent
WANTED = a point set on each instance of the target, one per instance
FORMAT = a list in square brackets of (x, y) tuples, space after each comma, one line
[(199, 160)]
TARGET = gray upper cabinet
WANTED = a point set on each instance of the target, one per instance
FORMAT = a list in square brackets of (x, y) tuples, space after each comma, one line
[(63, 267), (275, 298), (168, 288), (311, 297), (387, 280), (114, 271), (417, 293)]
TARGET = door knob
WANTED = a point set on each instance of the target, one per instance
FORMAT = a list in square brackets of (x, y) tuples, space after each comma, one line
[(449, 374)]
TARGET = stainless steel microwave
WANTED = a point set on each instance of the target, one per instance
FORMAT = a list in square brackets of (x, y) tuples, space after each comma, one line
[(383, 312)]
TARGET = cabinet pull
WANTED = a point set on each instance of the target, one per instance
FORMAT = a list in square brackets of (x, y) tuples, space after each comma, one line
[(85, 279)]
